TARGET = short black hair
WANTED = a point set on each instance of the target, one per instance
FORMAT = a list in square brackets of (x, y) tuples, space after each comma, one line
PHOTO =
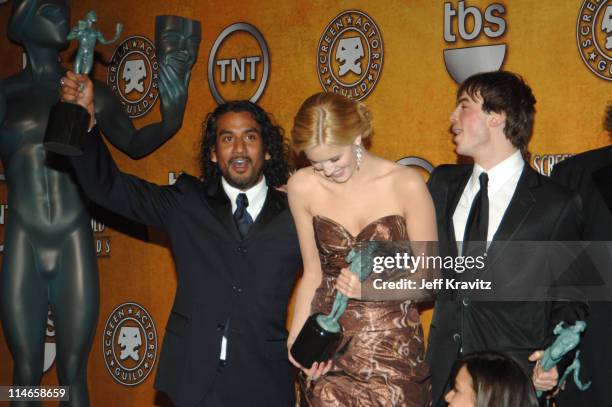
[(276, 169), (506, 92)]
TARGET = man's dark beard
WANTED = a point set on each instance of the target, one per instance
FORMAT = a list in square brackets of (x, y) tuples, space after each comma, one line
[(244, 183)]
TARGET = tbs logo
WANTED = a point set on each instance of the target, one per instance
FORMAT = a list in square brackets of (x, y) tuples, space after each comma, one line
[(469, 23)]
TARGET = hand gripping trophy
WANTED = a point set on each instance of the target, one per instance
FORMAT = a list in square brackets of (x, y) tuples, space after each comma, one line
[(319, 338), (567, 339), (68, 122)]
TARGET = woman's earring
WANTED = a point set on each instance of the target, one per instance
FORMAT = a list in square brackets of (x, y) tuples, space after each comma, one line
[(358, 155)]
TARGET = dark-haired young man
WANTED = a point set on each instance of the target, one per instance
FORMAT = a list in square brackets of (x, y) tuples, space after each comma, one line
[(236, 252), (497, 199)]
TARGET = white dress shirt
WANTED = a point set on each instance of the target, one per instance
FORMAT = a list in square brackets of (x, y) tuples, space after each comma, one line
[(257, 197), (503, 179)]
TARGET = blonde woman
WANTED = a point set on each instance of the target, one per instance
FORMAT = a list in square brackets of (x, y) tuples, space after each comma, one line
[(347, 196)]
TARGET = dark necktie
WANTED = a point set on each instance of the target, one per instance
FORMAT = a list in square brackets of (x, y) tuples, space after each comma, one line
[(477, 224), (241, 216)]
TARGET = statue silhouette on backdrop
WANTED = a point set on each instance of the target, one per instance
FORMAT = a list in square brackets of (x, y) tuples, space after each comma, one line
[(49, 251)]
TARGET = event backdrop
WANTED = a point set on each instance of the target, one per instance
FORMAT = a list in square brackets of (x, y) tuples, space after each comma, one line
[(403, 58)]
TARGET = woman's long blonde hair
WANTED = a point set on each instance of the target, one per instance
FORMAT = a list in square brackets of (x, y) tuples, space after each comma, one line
[(329, 118)]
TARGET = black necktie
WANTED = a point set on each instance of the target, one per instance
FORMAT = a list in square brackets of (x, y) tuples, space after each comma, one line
[(241, 216), (477, 224)]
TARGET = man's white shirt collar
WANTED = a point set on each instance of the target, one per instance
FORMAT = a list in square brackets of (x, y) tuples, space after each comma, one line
[(499, 174), (256, 196)]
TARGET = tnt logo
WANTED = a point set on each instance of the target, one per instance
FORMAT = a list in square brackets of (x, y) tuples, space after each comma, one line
[(470, 23), (238, 64), (239, 69)]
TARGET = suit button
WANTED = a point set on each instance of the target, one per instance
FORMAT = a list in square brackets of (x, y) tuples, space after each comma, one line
[(466, 301), (457, 338), (220, 327), (242, 249), (237, 289)]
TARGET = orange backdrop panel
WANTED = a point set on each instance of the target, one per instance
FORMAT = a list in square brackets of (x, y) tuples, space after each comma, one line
[(411, 103)]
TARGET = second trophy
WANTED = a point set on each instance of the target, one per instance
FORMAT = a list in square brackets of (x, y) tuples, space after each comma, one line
[(321, 334)]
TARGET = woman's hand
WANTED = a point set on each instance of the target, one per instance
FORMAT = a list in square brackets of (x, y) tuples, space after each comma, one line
[(348, 284), (316, 370)]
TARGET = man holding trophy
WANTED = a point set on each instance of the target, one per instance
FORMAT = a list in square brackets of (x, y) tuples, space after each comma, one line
[(236, 252)]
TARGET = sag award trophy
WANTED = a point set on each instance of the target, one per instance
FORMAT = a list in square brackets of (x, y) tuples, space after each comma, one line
[(319, 338), (567, 339), (68, 122)]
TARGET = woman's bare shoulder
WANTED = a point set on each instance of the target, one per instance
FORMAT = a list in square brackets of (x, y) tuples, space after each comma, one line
[(301, 181), (407, 179), (397, 173)]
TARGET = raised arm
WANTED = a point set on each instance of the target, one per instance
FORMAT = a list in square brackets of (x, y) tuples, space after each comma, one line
[(102, 181), (120, 131), (115, 38)]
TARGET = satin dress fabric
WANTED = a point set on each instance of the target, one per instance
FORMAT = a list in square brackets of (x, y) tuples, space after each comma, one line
[(381, 360)]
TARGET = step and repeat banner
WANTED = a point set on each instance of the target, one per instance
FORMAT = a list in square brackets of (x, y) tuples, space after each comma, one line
[(403, 58)]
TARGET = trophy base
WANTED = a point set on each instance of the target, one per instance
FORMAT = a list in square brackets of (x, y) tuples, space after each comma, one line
[(314, 344), (66, 129)]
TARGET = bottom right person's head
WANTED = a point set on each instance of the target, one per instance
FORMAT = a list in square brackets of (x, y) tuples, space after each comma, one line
[(490, 379)]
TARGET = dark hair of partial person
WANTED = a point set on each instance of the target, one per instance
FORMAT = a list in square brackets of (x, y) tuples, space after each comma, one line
[(506, 92), (276, 169), (498, 380), (608, 119)]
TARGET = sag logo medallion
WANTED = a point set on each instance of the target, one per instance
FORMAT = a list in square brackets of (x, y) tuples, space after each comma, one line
[(129, 344), (350, 55), (132, 75), (594, 37)]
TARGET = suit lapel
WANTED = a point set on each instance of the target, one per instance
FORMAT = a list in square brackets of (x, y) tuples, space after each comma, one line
[(273, 206), (518, 209), (222, 208), (455, 190)]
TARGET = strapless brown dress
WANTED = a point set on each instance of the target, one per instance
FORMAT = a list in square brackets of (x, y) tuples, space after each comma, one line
[(381, 361)]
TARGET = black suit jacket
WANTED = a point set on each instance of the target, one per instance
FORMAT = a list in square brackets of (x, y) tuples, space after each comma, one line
[(220, 277), (538, 211), (590, 174)]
